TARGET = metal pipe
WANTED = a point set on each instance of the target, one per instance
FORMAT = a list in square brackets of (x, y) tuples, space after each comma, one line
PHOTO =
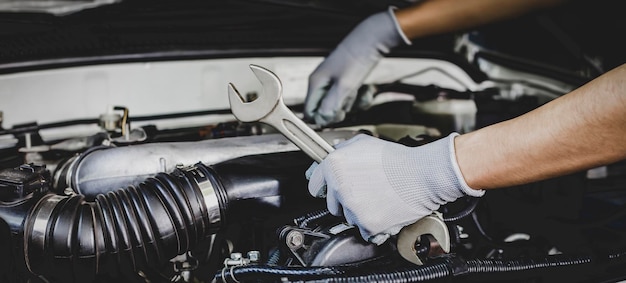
[(103, 169)]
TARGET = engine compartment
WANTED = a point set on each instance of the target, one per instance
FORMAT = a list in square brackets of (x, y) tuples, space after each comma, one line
[(167, 195)]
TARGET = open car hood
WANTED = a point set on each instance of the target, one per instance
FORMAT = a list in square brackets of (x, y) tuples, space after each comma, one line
[(567, 39)]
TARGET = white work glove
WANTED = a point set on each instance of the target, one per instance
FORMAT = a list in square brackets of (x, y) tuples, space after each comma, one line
[(334, 84), (381, 186)]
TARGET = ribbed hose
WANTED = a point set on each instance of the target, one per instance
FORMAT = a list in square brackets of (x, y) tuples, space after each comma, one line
[(275, 273), (452, 266), (68, 239), (304, 221), (333, 274), (493, 265)]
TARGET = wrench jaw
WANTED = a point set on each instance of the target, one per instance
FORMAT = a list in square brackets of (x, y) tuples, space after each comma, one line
[(256, 110), (238, 104), (431, 226), (272, 87)]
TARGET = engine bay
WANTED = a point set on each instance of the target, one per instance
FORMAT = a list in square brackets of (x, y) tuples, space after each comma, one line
[(146, 192)]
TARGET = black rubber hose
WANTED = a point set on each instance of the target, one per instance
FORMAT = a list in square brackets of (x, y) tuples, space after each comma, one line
[(494, 265), (471, 206), (119, 233), (264, 183), (332, 274), (451, 266), (69, 239), (263, 272)]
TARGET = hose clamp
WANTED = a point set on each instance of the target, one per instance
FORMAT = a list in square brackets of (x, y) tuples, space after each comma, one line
[(35, 234), (211, 201)]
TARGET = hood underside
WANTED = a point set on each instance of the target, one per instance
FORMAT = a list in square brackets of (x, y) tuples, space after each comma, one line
[(34, 35)]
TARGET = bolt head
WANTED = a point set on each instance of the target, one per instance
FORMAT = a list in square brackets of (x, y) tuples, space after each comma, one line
[(254, 256), (295, 239)]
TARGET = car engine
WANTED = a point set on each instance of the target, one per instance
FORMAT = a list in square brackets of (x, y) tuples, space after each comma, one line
[(228, 202), (114, 168)]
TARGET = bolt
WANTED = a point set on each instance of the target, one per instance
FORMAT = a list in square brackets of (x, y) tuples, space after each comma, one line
[(295, 239), (254, 256), (235, 256)]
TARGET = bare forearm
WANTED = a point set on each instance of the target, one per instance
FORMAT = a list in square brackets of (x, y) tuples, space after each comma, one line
[(581, 130), (442, 16)]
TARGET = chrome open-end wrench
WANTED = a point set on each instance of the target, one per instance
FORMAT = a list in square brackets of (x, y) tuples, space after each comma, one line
[(270, 109)]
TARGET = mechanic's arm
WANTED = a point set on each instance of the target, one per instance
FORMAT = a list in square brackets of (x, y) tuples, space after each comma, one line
[(580, 130), (336, 83), (382, 186), (443, 16)]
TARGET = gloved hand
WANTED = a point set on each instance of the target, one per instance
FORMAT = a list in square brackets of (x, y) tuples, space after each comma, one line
[(334, 83), (382, 186)]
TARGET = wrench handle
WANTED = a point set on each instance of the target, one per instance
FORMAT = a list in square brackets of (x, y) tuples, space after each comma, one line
[(298, 132)]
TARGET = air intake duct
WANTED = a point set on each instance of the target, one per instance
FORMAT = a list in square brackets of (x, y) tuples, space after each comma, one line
[(139, 228), (69, 239)]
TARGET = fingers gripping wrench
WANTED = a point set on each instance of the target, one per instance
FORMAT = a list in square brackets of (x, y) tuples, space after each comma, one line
[(270, 109)]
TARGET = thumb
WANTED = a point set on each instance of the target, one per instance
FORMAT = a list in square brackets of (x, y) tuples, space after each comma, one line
[(331, 108), (318, 88), (365, 96)]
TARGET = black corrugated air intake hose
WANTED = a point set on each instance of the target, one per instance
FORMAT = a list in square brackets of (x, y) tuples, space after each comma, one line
[(122, 232), (68, 239)]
